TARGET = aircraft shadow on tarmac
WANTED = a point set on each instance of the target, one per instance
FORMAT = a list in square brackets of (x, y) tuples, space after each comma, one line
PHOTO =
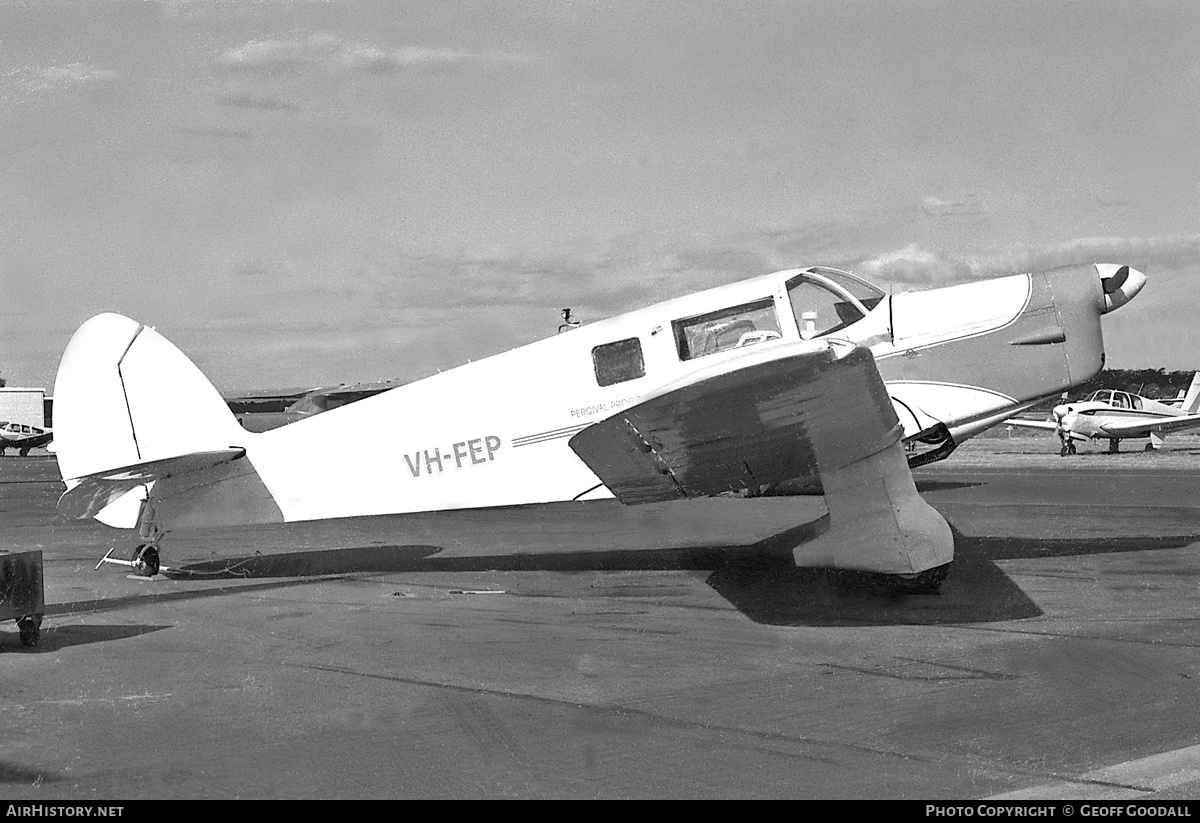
[(760, 580), (20, 775), (924, 485), (54, 638)]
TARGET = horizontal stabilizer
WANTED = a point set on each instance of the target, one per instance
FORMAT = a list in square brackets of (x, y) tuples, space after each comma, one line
[(767, 417), (91, 493), (1161, 425)]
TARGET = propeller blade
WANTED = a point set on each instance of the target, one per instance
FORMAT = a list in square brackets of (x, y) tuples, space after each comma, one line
[(1111, 284)]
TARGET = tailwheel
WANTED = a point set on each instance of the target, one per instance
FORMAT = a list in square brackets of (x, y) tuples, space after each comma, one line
[(30, 628), (145, 560)]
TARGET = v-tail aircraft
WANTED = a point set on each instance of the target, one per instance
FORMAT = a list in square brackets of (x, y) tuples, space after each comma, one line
[(1115, 415), (807, 375)]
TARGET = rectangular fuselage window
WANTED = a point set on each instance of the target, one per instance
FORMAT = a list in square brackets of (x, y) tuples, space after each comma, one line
[(731, 328), (619, 361)]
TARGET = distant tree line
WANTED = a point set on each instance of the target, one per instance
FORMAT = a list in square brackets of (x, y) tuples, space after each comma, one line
[(1156, 384)]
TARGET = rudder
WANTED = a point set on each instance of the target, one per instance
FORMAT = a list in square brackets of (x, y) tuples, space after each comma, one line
[(126, 395)]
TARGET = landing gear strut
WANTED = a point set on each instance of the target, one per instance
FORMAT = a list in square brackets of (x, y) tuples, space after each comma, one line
[(1114, 445), (1068, 445), (145, 556)]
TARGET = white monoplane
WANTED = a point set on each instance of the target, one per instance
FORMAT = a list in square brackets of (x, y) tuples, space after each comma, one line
[(1117, 415), (808, 375)]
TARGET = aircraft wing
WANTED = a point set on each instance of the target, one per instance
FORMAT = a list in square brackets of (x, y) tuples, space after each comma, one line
[(266, 400), (780, 413), (89, 494), (1025, 423), (1142, 428)]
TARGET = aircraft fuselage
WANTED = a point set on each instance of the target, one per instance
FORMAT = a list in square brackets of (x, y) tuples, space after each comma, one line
[(494, 432)]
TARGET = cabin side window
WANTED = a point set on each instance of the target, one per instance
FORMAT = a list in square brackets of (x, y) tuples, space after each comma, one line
[(619, 361), (731, 328)]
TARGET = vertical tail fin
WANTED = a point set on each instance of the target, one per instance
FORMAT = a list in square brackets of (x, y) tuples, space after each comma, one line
[(1191, 400), (125, 395)]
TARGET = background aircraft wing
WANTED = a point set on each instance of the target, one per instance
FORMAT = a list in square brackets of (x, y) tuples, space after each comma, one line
[(333, 397), (781, 413), (266, 400), (272, 408), (1142, 428), (1025, 423)]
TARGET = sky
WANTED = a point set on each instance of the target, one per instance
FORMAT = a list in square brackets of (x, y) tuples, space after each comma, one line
[(306, 193)]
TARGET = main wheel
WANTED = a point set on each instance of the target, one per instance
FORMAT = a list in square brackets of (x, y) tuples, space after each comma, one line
[(145, 561), (30, 627), (926, 582)]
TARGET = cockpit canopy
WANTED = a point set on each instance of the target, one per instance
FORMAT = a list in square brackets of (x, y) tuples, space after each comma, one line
[(1116, 399), (828, 300), (823, 301), (820, 301)]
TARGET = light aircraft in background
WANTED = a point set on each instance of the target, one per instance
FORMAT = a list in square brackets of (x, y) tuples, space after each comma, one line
[(23, 437), (808, 375), (1117, 415), (252, 411)]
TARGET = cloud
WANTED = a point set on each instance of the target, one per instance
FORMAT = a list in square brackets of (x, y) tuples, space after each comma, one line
[(250, 101), (224, 134), (916, 265), (969, 205), (328, 51), (29, 81)]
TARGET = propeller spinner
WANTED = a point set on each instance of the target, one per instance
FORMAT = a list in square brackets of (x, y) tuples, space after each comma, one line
[(1111, 284), (1120, 284)]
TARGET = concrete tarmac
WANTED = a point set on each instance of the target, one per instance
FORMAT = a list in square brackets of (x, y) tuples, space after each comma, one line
[(591, 650)]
